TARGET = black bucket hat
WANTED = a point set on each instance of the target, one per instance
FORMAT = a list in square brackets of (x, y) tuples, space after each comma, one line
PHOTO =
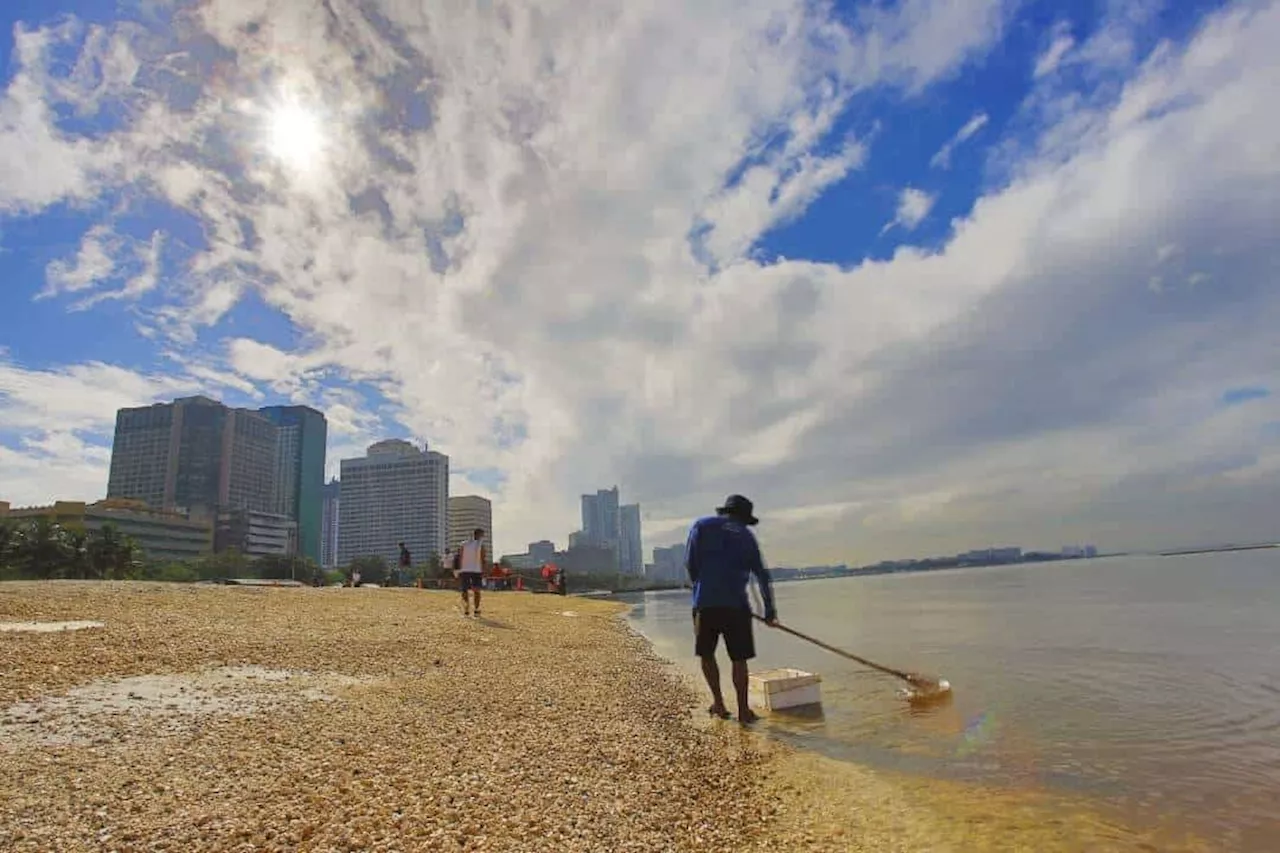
[(740, 508)]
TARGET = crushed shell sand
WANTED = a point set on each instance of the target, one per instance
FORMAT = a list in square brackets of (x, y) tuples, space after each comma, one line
[(253, 719)]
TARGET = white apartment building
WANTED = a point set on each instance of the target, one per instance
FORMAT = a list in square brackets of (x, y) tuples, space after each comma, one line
[(395, 493), (466, 513)]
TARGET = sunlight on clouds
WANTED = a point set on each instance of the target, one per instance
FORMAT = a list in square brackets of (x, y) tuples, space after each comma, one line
[(295, 136), (546, 217)]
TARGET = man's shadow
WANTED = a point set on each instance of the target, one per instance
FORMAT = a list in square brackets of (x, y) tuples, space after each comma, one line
[(490, 623)]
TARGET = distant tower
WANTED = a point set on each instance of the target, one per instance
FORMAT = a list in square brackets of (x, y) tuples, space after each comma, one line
[(329, 524), (301, 434), (601, 521), (466, 513), (543, 551), (630, 553), (395, 493)]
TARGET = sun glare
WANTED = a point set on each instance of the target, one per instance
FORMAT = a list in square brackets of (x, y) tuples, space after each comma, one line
[(295, 136)]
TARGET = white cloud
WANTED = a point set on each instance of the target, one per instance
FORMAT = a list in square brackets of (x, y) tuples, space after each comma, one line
[(501, 242), (913, 206), (53, 413), (766, 197), (41, 165), (94, 263), (36, 475), (105, 256), (942, 159), (79, 397), (1052, 57)]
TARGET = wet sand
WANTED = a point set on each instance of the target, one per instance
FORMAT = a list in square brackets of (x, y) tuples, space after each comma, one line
[(242, 719)]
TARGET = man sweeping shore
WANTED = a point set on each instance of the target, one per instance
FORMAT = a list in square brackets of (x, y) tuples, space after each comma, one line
[(721, 555)]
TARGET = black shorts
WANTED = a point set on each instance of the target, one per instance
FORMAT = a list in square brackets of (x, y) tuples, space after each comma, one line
[(710, 622), (470, 580)]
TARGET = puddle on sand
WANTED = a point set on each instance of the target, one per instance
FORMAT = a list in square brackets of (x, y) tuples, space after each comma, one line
[(107, 709), (46, 627)]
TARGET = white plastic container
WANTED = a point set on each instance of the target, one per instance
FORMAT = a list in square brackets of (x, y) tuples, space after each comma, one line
[(778, 689)]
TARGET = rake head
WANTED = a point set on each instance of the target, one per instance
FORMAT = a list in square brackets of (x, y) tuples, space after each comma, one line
[(926, 689)]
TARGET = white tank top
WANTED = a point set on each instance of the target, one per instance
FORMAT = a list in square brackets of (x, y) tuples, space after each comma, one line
[(471, 556)]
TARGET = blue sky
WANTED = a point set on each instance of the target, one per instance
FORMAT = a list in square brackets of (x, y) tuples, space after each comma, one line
[(918, 276)]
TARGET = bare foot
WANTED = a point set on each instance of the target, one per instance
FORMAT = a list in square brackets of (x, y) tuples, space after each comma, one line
[(719, 711), (747, 716)]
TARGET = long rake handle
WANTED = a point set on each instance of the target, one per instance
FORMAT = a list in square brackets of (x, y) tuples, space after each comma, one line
[(906, 676)]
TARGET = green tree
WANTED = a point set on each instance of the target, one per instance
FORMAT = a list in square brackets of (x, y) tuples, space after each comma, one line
[(42, 549), (126, 560), (76, 565), (227, 564), (8, 538), (173, 573), (372, 568), (112, 555), (283, 567), (8, 544)]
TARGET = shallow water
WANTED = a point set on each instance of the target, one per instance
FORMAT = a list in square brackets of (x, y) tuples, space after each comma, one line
[(1149, 686)]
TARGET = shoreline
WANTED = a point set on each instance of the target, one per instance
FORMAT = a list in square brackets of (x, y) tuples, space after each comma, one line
[(241, 718), (836, 798)]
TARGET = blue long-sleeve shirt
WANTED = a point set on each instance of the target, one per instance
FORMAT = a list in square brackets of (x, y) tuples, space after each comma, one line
[(721, 555)]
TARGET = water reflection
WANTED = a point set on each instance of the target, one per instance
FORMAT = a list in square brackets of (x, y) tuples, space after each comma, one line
[(1147, 683)]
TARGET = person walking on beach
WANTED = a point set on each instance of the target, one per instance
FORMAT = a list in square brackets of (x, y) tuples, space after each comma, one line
[(472, 557), (404, 570), (721, 555)]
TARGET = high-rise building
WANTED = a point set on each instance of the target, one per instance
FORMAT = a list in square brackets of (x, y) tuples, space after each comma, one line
[(194, 455), (630, 552), (301, 433), (600, 522), (668, 564), (329, 524), (542, 552), (466, 513), (395, 493)]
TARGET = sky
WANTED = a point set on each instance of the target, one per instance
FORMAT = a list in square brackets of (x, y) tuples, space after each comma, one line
[(917, 276)]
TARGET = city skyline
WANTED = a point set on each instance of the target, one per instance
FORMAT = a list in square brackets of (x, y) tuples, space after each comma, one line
[(908, 275), (158, 425), (608, 524)]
